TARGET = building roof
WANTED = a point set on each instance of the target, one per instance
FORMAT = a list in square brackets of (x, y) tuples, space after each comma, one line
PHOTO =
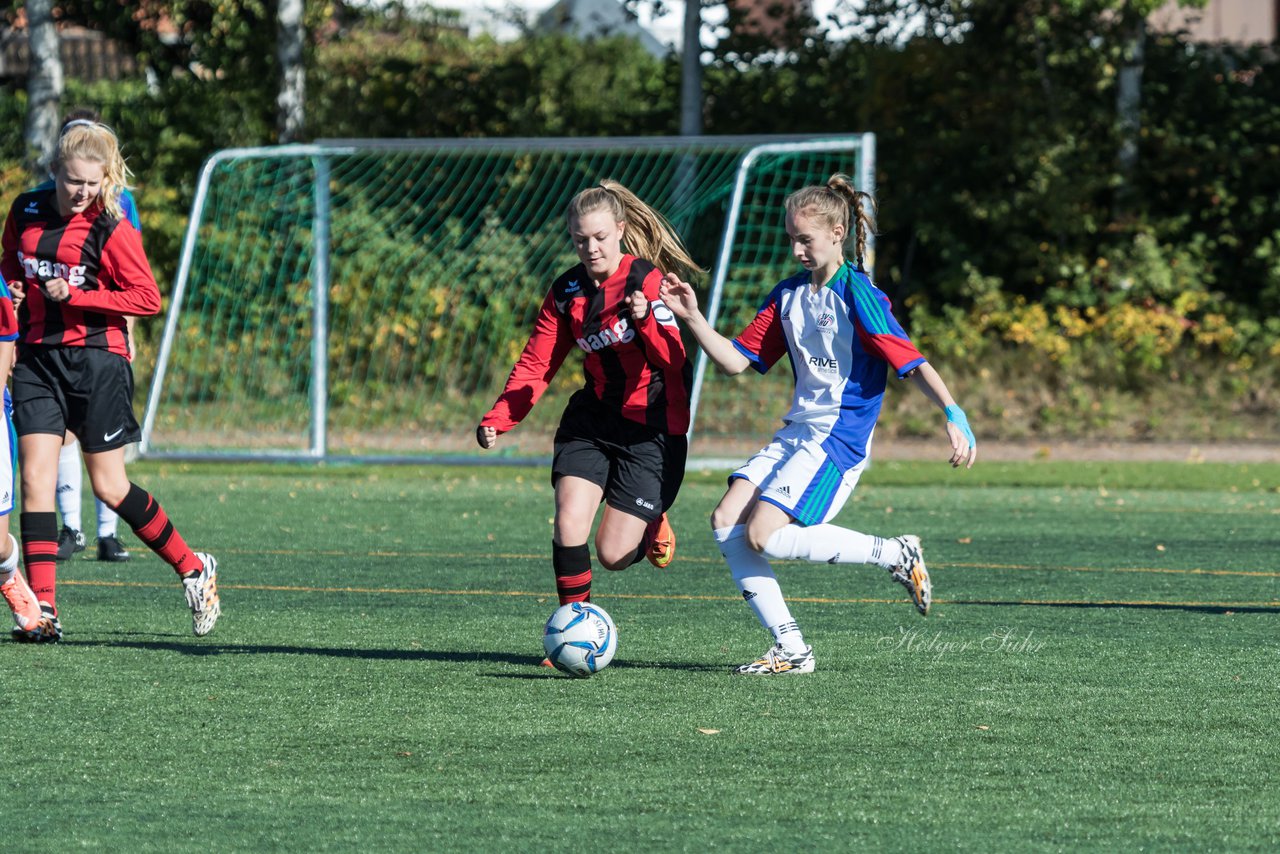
[(1242, 22), (598, 19)]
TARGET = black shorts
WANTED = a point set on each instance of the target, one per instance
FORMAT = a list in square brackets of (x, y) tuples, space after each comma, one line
[(86, 390), (640, 469)]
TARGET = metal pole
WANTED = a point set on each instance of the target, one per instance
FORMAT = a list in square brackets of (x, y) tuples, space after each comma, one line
[(691, 70), (188, 251), (717, 283), (175, 301), (320, 309), (867, 184)]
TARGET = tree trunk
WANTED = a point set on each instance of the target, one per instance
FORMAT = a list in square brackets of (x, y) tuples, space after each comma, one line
[(290, 102), (1129, 114), (44, 88)]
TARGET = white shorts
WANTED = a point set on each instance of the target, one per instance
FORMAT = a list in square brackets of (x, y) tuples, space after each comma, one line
[(794, 473)]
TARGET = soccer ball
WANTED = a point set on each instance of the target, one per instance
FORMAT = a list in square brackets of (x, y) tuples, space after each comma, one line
[(580, 639)]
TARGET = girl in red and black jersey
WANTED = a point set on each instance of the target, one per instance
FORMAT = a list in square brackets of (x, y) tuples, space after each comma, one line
[(621, 439), (79, 269)]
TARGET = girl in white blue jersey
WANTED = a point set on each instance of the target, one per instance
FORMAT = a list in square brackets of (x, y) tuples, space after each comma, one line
[(840, 334)]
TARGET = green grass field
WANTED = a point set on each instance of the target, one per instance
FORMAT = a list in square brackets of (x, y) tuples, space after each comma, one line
[(1101, 671)]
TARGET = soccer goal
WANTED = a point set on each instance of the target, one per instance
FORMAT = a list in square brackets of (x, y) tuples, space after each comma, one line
[(365, 299)]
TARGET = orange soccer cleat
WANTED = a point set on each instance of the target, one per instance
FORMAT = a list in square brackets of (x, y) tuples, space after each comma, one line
[(661, 538), (22, 602)]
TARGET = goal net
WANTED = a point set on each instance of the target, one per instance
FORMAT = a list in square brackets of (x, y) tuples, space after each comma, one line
[(366, 299)]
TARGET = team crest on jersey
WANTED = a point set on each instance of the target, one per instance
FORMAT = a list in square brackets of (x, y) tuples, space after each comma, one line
[(825, 320)]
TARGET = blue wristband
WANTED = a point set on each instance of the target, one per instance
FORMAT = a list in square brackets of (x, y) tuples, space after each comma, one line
[(956, 416)]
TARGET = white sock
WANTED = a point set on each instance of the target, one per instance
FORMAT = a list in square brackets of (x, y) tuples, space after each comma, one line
[(69, 485), (108, 521), (10, 564), (832, 544), (754, 577)]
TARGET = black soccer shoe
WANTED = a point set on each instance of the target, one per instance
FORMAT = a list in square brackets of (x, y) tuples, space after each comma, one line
[(110, 549), (70, 541)]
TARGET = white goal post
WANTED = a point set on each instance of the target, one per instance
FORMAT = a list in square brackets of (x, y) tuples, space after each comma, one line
[(363, 300)]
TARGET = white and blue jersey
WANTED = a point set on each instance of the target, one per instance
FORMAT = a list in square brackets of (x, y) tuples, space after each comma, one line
[(841, 340)]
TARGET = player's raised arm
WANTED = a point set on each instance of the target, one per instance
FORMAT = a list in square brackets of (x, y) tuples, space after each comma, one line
[(679, 296)]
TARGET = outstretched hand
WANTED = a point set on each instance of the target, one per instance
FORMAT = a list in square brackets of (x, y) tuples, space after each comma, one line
[(962, 453), (964, 447), (487, 437), (679, 296)]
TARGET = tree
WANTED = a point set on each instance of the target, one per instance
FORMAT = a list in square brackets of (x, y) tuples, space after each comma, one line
[(44, 87), (290, 33), (1131, 17)]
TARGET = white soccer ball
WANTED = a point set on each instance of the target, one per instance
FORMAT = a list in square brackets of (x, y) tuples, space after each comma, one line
[(580, 638)]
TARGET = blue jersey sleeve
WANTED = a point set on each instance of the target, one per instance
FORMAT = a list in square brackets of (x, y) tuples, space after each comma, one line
[(130, 208)]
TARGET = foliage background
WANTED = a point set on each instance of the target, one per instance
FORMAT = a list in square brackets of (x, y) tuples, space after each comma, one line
[(1061, 293)]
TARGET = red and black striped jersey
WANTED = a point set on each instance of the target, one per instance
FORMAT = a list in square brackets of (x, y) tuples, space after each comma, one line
[(639, 369), (101, 258)]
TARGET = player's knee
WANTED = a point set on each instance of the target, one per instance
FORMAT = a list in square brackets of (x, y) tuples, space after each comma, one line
[(613, 562), (111, 494), (760, 531), (725, 516), (757, 538)]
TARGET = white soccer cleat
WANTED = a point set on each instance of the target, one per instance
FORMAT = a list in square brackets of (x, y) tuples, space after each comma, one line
[(202, 595), (46, 630), (912, 574), (778, 662)]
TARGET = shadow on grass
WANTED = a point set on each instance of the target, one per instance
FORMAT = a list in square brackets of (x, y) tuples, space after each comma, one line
[(1131, 606), (201, 648)]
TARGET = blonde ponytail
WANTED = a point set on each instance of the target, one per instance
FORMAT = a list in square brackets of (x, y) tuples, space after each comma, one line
[(837, 203), (648, 235)]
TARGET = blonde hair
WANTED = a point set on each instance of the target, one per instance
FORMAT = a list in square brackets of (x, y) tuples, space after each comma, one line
[(834, 204), (96, 143), (648, 234)]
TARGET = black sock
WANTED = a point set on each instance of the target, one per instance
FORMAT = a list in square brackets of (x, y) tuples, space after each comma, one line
[(572, 565)]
